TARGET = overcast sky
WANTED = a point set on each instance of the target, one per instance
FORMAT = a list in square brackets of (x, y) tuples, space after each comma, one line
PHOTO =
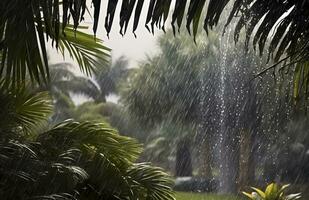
[(133, 48)]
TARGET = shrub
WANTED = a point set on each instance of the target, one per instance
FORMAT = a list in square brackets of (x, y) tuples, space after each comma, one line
[(272, 192)]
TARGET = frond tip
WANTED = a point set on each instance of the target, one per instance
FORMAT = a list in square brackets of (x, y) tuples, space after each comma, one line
[(156, 183)]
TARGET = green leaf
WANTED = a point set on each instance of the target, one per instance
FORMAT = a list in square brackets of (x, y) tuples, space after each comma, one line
[(297, 80), (284, 187), (260, 192), (248, 195), (293, 196), (271, 192)]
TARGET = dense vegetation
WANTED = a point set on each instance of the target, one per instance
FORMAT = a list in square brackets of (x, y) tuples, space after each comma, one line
[(242, 106), (43, 156), (181, 91)]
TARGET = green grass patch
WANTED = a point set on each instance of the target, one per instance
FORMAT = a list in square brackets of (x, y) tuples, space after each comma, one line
[(204, 196)]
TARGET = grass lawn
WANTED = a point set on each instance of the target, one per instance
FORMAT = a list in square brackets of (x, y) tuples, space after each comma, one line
[(204, 196)]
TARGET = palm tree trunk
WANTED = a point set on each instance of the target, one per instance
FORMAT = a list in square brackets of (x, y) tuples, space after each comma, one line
[(183, 158), (246, 160)]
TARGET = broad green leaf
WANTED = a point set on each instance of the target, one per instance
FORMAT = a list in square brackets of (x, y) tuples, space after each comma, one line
[(293, 196), (260, 192), (271, 192), (248, 195)]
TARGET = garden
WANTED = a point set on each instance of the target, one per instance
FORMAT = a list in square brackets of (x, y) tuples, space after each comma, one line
[(206, 100)]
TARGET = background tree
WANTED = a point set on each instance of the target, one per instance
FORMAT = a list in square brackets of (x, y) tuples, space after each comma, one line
[(109, 80), (166, 87), (63, 85), (214, 93)]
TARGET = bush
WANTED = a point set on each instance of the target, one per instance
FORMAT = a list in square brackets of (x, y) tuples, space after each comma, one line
[(272, 192)]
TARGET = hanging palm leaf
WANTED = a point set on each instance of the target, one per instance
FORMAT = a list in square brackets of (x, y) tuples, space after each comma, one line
[(287, 21), (26, 26)]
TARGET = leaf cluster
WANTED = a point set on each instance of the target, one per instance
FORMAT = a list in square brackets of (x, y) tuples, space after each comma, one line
[(72, 160), (272, 192)]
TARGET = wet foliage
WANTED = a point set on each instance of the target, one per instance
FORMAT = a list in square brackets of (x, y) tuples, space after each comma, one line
[(71, 160), (220, 110)]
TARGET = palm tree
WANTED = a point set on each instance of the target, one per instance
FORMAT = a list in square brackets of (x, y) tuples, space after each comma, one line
[(64, 80), (110, 79), (176, 87), (63, 84), (165, 93), (72, 160)]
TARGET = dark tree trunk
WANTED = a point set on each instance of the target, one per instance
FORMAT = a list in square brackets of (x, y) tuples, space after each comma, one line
[(246, 160), (183, 158)]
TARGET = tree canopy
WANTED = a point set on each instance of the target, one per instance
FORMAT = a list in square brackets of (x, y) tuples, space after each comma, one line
[(26, 25)]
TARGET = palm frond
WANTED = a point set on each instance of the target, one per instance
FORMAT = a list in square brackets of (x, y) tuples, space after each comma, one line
[(155, 183), (25, 174), (286, 19), (83, 48), (78, 85), (60, 196), (301, 85), (22, 110), (108, 159), (61, 71), (99, 136), (25, 26)]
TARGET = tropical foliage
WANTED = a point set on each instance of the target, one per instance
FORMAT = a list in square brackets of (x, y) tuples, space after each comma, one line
[(272, 192), (90, 160), (34, 22), (26, 26), (63, 85), (72, 160), (285, 22), (188, 87), (110, 79)]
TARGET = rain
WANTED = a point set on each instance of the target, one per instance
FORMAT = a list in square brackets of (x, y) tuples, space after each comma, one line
[(156, 100)]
